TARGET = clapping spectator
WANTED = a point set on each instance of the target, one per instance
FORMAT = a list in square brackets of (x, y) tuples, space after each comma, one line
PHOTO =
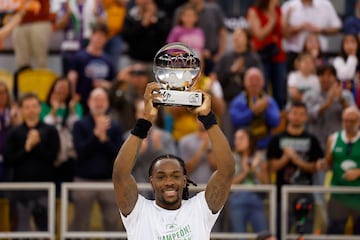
[(30, 152), (96, 138), (251, 168), (254, 109), (303, 17), (62, 109)]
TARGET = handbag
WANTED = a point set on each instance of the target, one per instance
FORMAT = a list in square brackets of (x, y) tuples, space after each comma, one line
[(67, 150), (267, 52)]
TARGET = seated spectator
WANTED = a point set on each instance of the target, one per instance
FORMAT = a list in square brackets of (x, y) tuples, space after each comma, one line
[(347, 63), (343, 158), (186, 29), (62, 109), (352, 22), (307, 16), (252, 168), (254, 109), (303, 79), (97, 139), (92, 68), (312, 46), (30, 152)]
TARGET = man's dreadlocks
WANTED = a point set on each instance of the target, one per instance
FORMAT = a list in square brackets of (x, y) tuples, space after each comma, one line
[(185, 194)]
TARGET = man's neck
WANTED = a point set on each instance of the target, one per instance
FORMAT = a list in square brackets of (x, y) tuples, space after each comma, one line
[(31, 123), (351, 135), (295, 130), (93, 51)]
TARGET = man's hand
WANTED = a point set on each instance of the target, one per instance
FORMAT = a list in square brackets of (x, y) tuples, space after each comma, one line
[(351, 174), (152, 91), (205, 107), (102, 124), (33, 139), (260, 105)]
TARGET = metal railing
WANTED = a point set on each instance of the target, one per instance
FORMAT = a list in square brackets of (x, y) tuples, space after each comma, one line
[(287, 190), (73, 186), (26, 186)]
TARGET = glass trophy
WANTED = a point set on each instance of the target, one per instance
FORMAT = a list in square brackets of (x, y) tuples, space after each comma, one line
[(177, 68)]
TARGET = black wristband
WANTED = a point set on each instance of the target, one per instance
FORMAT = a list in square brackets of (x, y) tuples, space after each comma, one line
[(141, 128), (208, 120)]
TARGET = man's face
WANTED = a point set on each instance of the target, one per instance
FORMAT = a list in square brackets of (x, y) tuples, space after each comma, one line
[(30, 109), (326, 80), (297, 116), (351, 122), (254, 82), (98, 39), (168, 182)]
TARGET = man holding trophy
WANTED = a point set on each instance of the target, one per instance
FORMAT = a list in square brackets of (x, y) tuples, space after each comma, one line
[(172, 213)]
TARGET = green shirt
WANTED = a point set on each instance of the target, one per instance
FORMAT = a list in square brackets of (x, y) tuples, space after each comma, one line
[(345, 156)]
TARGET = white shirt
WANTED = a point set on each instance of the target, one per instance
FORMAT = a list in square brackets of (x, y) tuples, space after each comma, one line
[(345, 70), (321, 13), (303, 83), (192, 221)]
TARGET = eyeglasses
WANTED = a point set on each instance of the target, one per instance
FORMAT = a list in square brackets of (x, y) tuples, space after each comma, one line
[(348, 148)]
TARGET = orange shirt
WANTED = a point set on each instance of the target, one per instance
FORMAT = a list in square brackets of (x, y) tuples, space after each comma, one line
[(115, 15)]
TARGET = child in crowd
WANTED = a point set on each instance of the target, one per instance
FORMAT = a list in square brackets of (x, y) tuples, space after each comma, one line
[(303, 78), (346, 64)]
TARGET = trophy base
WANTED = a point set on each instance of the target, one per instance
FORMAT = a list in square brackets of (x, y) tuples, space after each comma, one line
[(179, 98)]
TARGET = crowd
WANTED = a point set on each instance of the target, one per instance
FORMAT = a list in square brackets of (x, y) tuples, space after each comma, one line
[(288, 106)]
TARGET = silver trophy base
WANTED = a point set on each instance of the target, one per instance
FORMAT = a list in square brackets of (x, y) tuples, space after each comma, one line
[(179, 98)]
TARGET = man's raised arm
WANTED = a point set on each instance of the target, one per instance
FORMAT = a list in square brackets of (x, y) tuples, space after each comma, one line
[(125, 185), (219, 185)]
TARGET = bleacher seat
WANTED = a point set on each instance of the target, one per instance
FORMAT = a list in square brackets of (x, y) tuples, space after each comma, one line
[(38, 81)]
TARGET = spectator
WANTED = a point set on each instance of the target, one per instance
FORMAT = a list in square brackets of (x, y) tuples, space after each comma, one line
[(303, 17), (343, 157), (30, 152), (325, 107), (266, 29), (62, 109), (75, 19), (254, 109), (347, 63), (292, 155), (9, 118), (195, 149), (31, 38), (115, 11), (91, 67), (211, 21), (312, 46), (186, 29), (96, 139), (233, 64), (145, 31), (130, 86), (251, 168), (352, 22), (303, 79)]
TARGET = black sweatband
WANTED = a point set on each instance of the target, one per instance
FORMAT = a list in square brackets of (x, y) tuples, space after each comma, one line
[(208, 120), (141, 128)]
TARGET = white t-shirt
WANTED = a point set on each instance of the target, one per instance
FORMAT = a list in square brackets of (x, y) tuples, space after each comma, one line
[(321, 14), (302, 83), (192, 221)]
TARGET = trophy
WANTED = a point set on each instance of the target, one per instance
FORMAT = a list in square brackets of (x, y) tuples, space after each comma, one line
[(177, 68)]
